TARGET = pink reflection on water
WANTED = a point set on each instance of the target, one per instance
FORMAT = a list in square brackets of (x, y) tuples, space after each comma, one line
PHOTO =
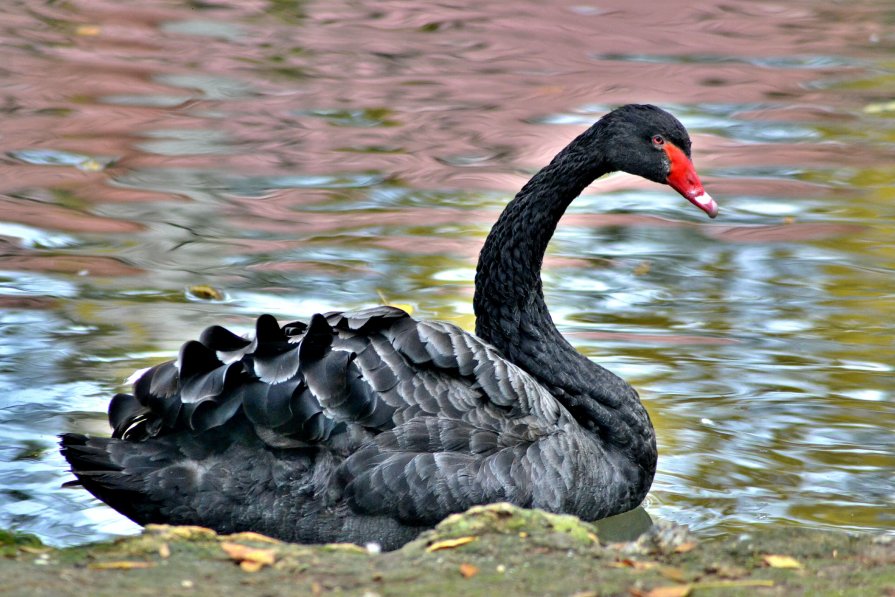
[(447, 96)]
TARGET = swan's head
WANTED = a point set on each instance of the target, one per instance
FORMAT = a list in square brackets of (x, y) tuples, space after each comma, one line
[(649, 142)]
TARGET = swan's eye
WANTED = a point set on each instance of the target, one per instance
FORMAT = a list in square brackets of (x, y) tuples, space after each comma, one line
[(658, 140)]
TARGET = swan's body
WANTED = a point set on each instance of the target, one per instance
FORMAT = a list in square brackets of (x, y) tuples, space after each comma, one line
[(371, 426)]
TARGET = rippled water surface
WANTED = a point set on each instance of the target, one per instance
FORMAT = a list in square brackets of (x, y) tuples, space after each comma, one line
[(305, 156)]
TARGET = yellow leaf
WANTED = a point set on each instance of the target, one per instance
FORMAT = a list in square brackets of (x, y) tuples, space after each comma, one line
[(685, 547), (120, 565), (450, 543), (91, 165), (188, 532), (672, 591), (88, 30), (636, 565), (39, 550), (731, 584), (879, 107), (468, 570), (642, 268), (775, 561), (243, 553), (205, 292), (252, 536), (671, 573), (250, 566), (164, 551), (348, 547)]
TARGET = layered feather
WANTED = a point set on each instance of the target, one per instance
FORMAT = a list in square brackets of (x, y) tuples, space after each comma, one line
[(369, 414), (369, 426)]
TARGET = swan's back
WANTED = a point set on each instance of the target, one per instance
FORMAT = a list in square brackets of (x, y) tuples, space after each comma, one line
[(364, 426)]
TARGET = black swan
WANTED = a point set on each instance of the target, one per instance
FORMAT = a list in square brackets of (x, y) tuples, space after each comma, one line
[(370, 426)]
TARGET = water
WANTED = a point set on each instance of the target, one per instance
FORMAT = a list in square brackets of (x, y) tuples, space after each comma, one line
[(305, 156)]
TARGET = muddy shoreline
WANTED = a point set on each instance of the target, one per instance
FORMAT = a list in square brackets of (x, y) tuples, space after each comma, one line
[(485, 551)]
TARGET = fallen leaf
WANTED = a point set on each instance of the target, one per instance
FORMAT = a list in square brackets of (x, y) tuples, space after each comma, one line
[(251, 565), (252, 536), (188, 532), (450, 543), (776, 561), (91, 165), (345, 547), (194, 532), (88, 30), (671, 573), (251, 559), (468, 570), (685, 547), (879, 107), (205, 292), (730, 584), (642, 268), (671, 591), (34, 550), (120, 565), (635, 564)]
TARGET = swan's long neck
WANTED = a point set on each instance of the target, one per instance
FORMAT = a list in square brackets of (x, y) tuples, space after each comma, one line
[(512, 315), (509, 300)]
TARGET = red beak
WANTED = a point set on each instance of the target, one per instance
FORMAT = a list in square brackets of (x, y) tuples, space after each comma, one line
[(684, 180)]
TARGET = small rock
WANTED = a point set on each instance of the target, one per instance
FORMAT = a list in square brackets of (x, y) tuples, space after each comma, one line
[(374, 549), (663, 538)]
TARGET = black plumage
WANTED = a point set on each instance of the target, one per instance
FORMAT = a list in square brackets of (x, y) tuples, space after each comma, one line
[(371, 426)]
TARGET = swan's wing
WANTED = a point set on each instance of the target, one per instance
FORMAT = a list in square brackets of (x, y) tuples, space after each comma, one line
[(303, 384), (425, 419)]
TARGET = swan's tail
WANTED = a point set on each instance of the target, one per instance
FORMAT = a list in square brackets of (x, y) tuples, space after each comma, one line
[(224, 478), (94, 464)]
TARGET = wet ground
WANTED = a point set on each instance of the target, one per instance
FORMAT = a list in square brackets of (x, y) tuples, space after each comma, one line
[(305, 156), (497, 549)]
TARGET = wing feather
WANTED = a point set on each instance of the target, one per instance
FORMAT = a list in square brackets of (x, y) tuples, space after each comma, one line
[(426, 418)]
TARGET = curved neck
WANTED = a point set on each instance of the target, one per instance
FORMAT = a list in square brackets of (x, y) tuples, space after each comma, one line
[(508, 290), (511, 313)]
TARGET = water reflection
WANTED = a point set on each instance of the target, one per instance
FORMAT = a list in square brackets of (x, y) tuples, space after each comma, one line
[(314, 156)]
